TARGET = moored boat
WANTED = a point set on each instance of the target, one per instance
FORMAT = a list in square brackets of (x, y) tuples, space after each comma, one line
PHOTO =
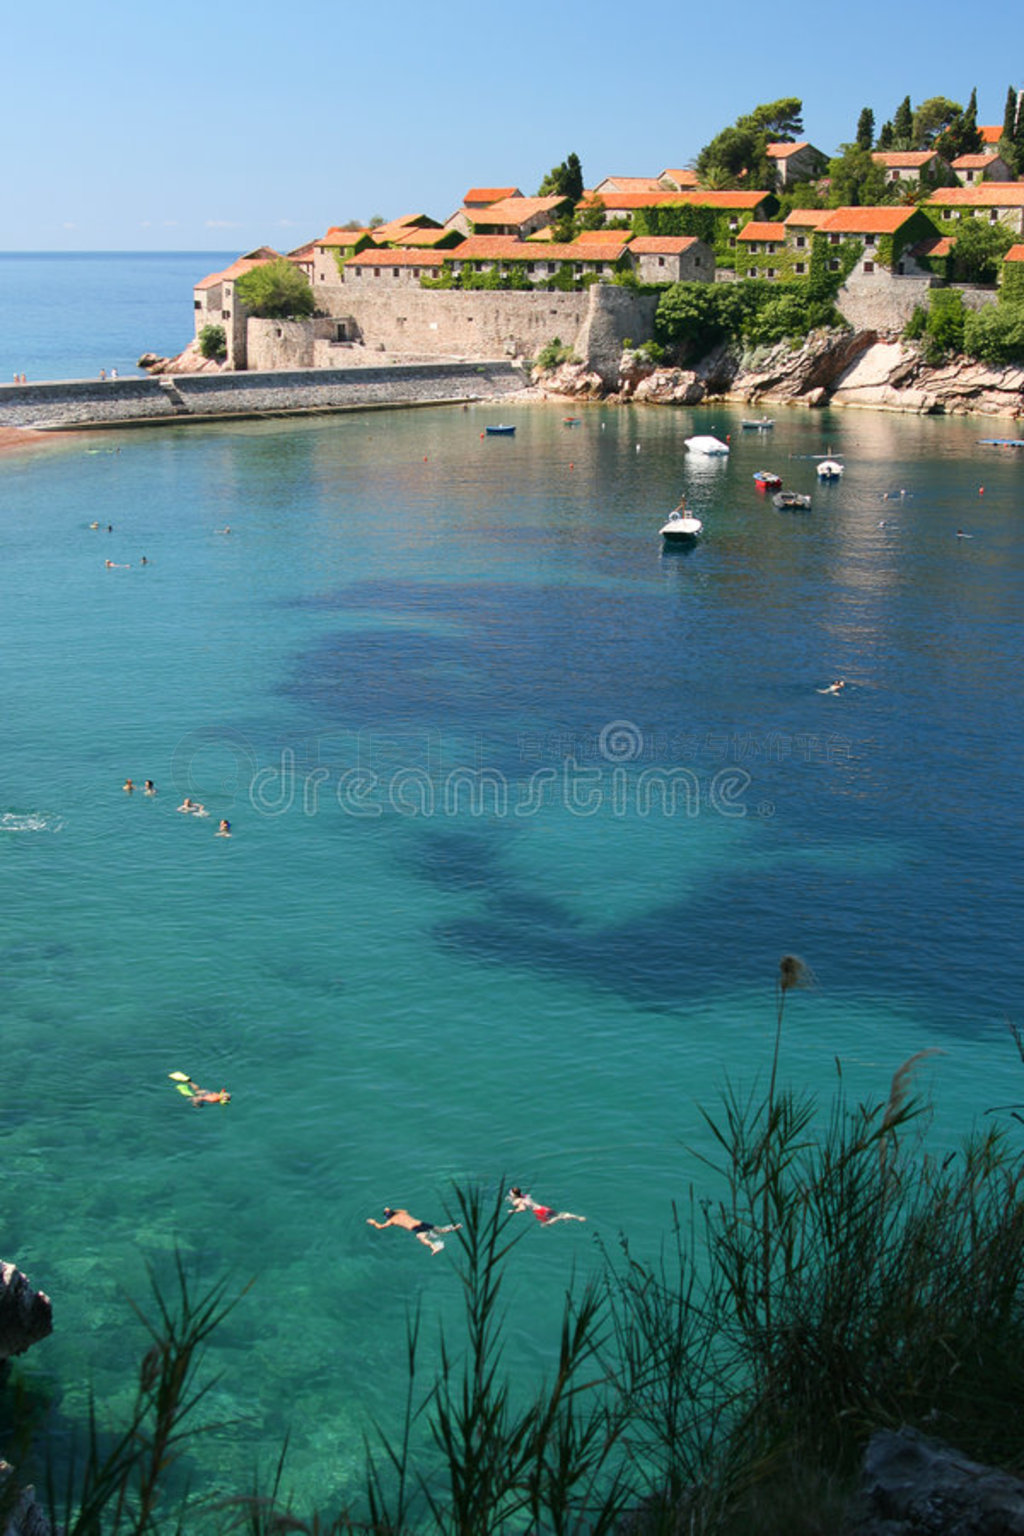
[(830, 469), (500, 431), (791, 501), (712, 446), (764, 425), (682, 527), (767, 480)]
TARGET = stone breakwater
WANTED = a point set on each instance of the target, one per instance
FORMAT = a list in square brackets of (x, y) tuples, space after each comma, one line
[(84, 403)]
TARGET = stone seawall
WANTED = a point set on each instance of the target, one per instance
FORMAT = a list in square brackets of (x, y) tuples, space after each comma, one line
[(205, 397)]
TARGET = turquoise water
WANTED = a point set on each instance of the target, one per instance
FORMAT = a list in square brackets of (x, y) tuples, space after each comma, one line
[(444, 688)]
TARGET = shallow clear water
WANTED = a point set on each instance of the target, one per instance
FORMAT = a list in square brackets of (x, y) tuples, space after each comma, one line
[(444, 687)]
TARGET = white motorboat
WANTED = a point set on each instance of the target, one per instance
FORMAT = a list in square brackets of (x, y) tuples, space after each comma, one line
[(708, 445), (682, 527), (830, 469)]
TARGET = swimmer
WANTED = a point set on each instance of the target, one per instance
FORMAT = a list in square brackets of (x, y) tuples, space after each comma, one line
[(94, 525), (961, 535), (836, 687), (198, 1096), (188, 806), (222, 530), (128, 787), (545, 1214), (424, 1231), (149, 787), (143, 561), (224, 830), (114, 565), (199, 810)]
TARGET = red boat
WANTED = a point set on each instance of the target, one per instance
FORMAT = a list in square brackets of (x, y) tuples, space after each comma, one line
[(765, 480)]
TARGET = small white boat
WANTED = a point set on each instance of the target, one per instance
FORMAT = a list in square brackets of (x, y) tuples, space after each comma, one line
[(830, 469), (682, 527), (765, 424), (708, 445)]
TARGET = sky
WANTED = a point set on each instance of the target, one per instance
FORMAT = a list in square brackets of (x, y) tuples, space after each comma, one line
[(185, 126)]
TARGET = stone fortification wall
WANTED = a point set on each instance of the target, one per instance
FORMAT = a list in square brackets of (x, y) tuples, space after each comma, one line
[(878, 301), (272, 344), (181, 397), (456, 323), (613, 314)]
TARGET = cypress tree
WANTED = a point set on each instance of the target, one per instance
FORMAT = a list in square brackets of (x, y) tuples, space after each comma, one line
[(903, 124), (885, 136), (865, 129), (1018, 139), (1010, 115)]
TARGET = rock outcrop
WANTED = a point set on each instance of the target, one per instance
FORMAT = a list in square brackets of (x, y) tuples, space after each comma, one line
[(25, 1315), (843, 368), (191, 360), (913, 1486)]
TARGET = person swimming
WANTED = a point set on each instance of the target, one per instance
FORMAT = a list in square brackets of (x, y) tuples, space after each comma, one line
[(198, 1096), (545, 1214), (128, 786), (149, 787), (224, 830), (836, 687), (426, 1232)]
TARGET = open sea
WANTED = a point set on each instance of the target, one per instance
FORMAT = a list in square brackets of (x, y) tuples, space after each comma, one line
[(525, 810)]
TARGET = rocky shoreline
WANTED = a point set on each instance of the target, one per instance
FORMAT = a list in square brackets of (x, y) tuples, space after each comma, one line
[(832, 368)]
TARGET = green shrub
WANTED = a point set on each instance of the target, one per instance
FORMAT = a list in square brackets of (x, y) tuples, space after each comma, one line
[(944, 331), (213, 342), (917, 324), (995, 334), (554, 353), (276, 290)]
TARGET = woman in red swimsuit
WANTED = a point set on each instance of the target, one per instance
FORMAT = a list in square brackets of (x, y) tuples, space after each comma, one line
[(545, 1214)]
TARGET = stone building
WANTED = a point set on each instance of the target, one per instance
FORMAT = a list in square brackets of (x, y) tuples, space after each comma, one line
[(796, 162), (969, 170), (215, 302), (517, 216), (912, 165), (672, 259), (999, 202)]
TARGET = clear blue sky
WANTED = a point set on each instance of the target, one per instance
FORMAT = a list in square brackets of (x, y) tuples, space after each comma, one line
[(184, 126)]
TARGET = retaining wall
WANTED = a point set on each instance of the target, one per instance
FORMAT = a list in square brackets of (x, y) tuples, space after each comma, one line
[(181, 397)]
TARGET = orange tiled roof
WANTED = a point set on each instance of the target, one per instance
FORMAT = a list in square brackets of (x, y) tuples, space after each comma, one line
[(941, 245), (1015, 253), (684, 178), (396, 227), (423, 237), (783, 151), (508, 248), (514, 210), (865, 221), (490, 194), (341, 237), (991, 133), (913, 159), (806, 218), (595, 236), (632, 184), (974, 162), (990, 194), (762, 230), (662, 245), (257, 258), (377, 257)]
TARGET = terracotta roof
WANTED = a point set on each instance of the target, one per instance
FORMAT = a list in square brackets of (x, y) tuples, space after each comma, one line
[(662, 245), (396, 227), (990, 194), (865, 221), (913, 159), (940, 245), (631, 184), (515, 210), (508, 248), (341, 237), (761, 230), (991, 133), (684, 178), (1015, 253), (783, 151), (806, 218), (595, 236), (376, 257), (974, 162), (696, 199), (423, 237), (257, 258), (487, 195)]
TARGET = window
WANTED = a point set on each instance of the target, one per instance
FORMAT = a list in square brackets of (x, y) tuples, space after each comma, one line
[(734, 224), (800, 242), (661, 261), (696, 261), (993, 216), (833, 264), (833, 239), (751, 271), (199, 303), (732, 242), (394, 271), (869, 266), (376, 271), (869, 239), (800, 267), (770, 272)]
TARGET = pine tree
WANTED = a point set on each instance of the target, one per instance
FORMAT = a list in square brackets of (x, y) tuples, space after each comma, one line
[(865, 129), (903, 124)]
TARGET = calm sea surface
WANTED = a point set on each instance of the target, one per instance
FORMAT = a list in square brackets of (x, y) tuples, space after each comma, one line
[(525, 811)]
